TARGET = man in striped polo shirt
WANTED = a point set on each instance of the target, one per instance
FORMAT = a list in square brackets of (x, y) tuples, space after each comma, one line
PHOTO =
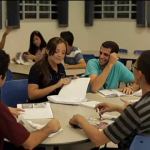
[(134, 119)]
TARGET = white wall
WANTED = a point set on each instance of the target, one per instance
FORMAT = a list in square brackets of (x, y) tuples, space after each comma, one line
[(124, 32)]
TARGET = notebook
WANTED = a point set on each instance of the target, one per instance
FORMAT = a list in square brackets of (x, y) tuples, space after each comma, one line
[(90, 104), (20, 59), (31, 127), (112, 93), (73, 93), (36, 110), (138, 93)]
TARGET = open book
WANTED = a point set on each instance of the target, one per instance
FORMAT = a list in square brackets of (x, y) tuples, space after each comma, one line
[(36, 110), (21, 59), (138, 93), (112, 93), (90, 104), (73, 93), (31, 127)]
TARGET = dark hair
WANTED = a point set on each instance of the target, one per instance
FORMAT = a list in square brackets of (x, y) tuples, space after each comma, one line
[(33, 48), (4, 62), (112, 45), (143, 64), (67, 36), (43, 65)]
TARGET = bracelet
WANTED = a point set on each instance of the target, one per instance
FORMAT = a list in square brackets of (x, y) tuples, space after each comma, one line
[(130, 87)]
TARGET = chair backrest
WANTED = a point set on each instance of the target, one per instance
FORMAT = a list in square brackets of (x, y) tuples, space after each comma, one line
[(138, 51), (15, 92), (123, 50), (87, 57), (9, 75), (140, 142)]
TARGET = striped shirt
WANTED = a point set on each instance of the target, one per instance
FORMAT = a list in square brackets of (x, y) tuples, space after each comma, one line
[(74, 57), (135, 119)]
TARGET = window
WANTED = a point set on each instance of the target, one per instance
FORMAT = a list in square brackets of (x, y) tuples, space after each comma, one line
[(38, 9), (114, 9)]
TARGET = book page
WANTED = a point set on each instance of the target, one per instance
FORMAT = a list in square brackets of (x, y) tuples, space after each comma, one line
[(90, 104), (69, 99), (36, 110), (76, 88)]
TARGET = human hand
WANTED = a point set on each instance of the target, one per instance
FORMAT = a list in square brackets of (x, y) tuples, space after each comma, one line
[(114, 57), (7, 31), (54, 125), (127, 90), (16, 111), (63, 81), (75, 119), (105, 107), (29, 56)]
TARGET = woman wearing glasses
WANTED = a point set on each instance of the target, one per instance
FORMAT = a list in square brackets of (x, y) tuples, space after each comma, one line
[(134, 118), (47, 76)]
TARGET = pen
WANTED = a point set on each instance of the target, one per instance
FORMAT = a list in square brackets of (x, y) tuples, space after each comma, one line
[(99, 114)]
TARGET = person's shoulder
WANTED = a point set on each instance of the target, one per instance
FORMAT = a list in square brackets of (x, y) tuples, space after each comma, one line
[(94, 61), (75, 48)]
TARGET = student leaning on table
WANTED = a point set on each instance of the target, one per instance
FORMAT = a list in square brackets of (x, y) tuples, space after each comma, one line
[(47, 76), (9, 128), (106, 72), (74, 57), (134, 119)]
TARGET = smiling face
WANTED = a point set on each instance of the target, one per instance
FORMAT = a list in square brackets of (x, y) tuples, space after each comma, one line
[(59, 54), (36, 41), (104, 55)]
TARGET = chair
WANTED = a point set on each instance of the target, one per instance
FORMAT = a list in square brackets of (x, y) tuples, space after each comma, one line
[(138, 51), (140, 142), (14, 92), (87, 57), (9, 75), (123, 50)]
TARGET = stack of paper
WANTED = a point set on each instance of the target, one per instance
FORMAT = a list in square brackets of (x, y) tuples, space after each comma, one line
[(73, 93), (90, 104), (36, 110), (30, 126)]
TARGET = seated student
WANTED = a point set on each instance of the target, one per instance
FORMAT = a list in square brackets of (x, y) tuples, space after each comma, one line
[(10, 128), (47, 76), (134, 119), (74, 58), (106, 72), (2, 43), (37, 46)]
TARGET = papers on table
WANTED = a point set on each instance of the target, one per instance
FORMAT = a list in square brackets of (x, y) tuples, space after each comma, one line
[(30, 126), (90, 104), (73, 93), (36, 110)]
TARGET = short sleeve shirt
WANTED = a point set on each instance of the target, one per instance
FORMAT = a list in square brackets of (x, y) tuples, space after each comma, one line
[(74, 57), (35, 77), (10, 129), (134, 120), (119, 73)]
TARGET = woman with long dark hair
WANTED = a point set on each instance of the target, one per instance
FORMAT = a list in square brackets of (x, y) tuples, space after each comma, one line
[(47, 76), (37, 46)]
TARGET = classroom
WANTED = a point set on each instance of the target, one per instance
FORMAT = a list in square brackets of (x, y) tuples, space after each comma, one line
[(74, 75)]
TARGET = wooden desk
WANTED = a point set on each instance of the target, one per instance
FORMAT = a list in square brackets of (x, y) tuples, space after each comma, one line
[(22, 71), (70, 138)]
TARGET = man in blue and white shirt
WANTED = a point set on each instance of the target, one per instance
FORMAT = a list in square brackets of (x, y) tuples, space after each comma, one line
[(74, 57)]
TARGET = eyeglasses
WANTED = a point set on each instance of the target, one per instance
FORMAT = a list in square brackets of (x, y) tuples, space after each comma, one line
[(133, 67), (105, 54)]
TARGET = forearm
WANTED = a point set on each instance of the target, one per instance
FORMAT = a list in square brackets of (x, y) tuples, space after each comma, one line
[(119, 109), (77, 66), (39, 93), (2, 43), (36, 138), (97, 137), (99, 81), (135, 87)]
